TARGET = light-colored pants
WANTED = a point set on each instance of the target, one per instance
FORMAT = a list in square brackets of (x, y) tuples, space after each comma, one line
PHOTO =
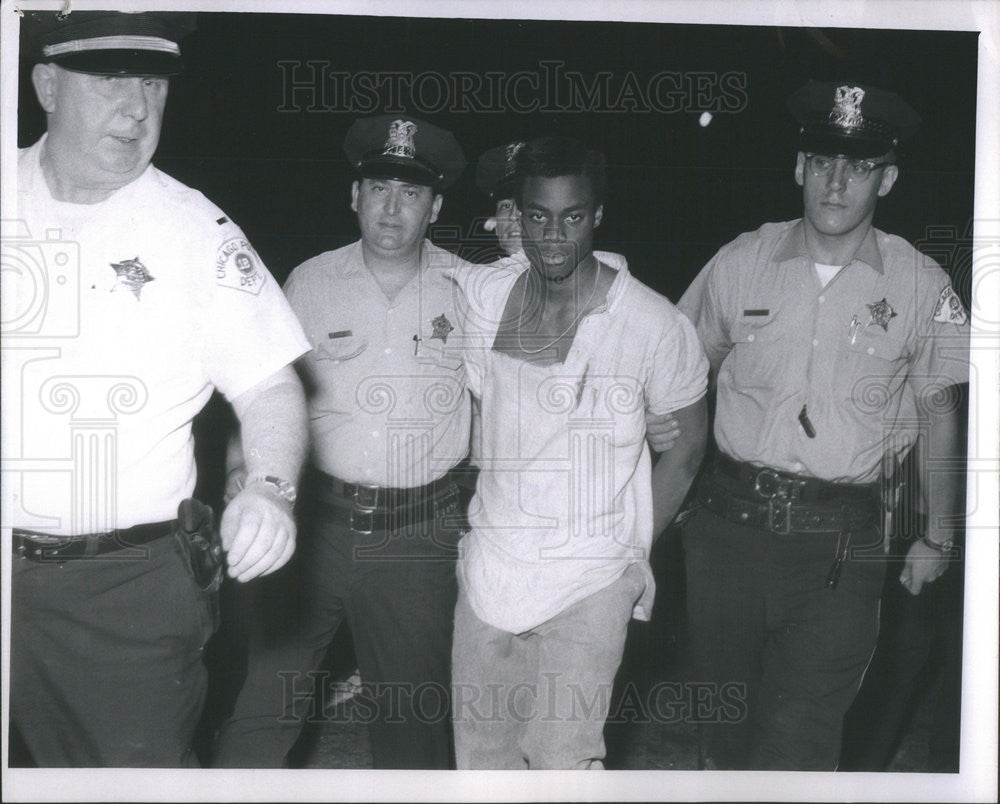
[(539, 699)]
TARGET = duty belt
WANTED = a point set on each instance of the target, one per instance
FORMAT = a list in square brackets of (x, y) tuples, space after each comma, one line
[(38, 546), (369, 508), (784, 503)]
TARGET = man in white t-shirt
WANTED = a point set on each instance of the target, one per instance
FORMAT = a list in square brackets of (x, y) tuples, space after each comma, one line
[(567, 353), (153, 299)]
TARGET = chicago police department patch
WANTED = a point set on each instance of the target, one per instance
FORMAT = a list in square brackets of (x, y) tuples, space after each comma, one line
[(237, 266), (950, 309)]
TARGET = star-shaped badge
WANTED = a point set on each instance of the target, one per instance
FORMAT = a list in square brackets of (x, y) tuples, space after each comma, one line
[(442, 326), (132, 274), (882, 314)]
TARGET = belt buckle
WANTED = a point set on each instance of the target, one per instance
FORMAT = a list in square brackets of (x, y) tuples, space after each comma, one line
[(779, 516), (359, 523), (766, 483), (366, 496)]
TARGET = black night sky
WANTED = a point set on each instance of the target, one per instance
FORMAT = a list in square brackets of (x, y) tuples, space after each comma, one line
[(271, 156)]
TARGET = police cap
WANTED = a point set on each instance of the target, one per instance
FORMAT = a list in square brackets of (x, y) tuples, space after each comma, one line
[(404, 148), (851, 119), (108, 42), (495, 170)]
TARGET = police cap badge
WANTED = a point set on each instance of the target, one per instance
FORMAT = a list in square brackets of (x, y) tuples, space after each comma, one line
[(495, 170), (844, 118), (404, 148)]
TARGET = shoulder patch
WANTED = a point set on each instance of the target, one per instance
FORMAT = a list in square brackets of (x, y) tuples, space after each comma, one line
[(949, 308), (237, 266)]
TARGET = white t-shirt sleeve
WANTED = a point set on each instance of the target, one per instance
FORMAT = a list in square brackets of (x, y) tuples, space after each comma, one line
[(679, 372)]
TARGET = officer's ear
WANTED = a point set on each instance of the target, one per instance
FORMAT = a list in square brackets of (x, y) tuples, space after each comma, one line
[(800, 167), (44, 78), (355, 190), (889, 176), (436, 206), (598, 215)]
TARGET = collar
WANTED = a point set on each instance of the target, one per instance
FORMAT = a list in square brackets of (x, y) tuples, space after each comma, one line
[(355, 261), (794, 245), (617, 289), (519, 263)]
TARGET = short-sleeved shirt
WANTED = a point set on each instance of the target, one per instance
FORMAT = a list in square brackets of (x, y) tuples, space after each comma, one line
[(387, 397), (858, 354), (119, 321), (564, 501)]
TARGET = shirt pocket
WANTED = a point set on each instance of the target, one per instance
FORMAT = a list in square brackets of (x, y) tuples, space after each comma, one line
[(340, 349), (437, 354), (336, 373), (870, 371), (758, 358)]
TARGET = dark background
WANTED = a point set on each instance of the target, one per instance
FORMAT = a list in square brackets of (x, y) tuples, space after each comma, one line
[(677, 191)]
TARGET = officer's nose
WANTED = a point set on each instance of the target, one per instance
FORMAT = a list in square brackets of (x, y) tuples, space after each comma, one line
[(392, 202), (837, 177), (134, 103)]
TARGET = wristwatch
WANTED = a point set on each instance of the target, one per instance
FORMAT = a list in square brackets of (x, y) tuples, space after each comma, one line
[(283, 487), (947, 546)]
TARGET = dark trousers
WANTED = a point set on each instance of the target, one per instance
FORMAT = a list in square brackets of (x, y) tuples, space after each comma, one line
[(762, 617), (106, 658), (920, 643), (397, 591)]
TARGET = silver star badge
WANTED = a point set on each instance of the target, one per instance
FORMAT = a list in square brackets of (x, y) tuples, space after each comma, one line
[(442, 326), (881, 314), (132, 275)]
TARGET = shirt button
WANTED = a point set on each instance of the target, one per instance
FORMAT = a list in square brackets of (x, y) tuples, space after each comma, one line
[(374, 433), (871, 350), (798, 467), (750, 337), (388, 350), (815, 342), (822, 299)]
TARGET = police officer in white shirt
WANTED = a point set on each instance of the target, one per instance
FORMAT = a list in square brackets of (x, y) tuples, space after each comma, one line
[(112, 585)]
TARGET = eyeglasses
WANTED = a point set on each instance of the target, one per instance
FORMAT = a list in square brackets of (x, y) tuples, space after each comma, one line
[(858, 170)]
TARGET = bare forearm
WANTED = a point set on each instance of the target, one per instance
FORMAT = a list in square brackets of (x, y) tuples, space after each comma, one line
[(941, 466), (273, 428), (677, 467)]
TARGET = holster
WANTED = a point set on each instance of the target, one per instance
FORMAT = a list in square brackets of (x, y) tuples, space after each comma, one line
[(892, 487), (201, 542)]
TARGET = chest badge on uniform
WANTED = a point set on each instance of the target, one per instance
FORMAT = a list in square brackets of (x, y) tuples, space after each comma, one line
[(950, 309), (132, 275), (881, 314), (442, 326)]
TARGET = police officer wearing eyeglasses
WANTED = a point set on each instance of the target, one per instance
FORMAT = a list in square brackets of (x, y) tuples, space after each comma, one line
[(833, 345)]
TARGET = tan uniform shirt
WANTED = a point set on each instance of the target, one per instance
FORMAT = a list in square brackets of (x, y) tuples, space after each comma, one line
[(388, 404), (860, 353)]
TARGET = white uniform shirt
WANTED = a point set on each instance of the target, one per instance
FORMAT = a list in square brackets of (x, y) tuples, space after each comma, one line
[(563, 504), (120, 319), (387, 398)]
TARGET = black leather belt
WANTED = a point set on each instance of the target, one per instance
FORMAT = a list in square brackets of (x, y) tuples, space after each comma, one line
[(368, 508), (783, 503), (765, 483), (37, 546)]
